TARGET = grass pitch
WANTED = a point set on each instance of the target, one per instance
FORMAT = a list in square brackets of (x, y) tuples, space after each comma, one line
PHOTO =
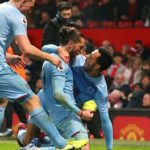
[(96, 144)]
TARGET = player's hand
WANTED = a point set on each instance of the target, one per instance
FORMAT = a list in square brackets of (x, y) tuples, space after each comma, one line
[(57, 62), (15, 60), (86, 115), (63, 54)]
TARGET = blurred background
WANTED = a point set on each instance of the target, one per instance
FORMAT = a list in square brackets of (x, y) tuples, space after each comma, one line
[(123, 28)]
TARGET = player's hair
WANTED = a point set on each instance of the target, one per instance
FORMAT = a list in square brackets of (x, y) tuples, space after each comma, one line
[(105, 60), (16, 0), (64, 6), (67, 33)]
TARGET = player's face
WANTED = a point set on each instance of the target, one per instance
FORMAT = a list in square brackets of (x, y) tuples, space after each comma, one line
[(79, 47), (91, 60), (27, 6), (66, 14)]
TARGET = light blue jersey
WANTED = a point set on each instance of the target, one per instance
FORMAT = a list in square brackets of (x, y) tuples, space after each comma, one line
[(54, 81), (91, 88), (100, 96), (12, 23), (98, 82), (59, 100)]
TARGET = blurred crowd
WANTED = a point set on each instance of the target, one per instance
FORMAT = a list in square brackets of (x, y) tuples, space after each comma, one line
[(128, 77), (95, 13)]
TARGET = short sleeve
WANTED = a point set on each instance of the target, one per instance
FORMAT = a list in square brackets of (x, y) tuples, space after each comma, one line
[(50, 48), (19, 25)]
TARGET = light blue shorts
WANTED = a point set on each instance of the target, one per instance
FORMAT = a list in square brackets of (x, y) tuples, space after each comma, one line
[(13, 87), (72, 127)]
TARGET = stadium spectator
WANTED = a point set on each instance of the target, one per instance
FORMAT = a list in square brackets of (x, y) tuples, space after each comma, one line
[(143, 52), (146, 83), (146, 100), (90, 11), (78, 17), (44, 17), (136, 87), (124, 52), (48, 6), (63, 17), (146, 13), (105, 44), (117, 66), (133, 74), (115, 99), (129, 10), (135, 99), (105, 11), (120, 84), (111, 48), (146, 67)]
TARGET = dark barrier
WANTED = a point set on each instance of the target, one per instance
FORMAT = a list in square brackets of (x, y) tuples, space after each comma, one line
[(128, 124)]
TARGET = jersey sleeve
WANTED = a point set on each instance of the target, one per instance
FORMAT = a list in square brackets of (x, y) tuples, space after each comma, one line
[(18, 24), (50, 48), (58, 78)]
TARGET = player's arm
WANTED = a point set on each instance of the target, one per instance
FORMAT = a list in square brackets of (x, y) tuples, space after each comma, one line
[(58, 84), (19, 29), (31, 51), (51, 48)]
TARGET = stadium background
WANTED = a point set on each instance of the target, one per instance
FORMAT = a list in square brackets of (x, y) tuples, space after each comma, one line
[(128, 123)]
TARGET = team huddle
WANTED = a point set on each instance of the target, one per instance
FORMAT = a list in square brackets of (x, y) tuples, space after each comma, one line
[(69, 79)]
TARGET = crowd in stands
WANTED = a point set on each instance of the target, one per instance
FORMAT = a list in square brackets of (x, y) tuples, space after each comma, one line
[(129, 76), (95, 13)]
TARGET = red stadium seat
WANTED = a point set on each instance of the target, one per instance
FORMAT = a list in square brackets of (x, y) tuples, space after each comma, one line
[(139, 23), (124, 24), (92, 24), (108, 24)]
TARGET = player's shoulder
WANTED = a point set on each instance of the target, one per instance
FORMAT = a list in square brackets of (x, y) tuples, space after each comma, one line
[(49, 66), (12, 13), (49, 48), (7, 8)]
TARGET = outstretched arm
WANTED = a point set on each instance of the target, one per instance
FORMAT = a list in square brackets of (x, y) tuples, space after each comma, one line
[(58, 84), (31, 51), (102, 104)]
